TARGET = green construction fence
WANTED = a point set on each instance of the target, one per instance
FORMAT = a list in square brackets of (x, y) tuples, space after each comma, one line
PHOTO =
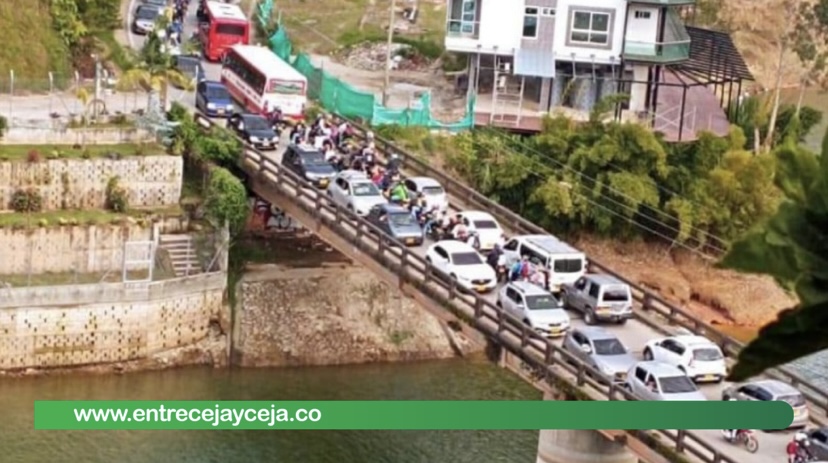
[(341, 98)]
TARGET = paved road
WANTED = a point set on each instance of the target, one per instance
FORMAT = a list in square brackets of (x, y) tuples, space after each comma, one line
[(634, 334)]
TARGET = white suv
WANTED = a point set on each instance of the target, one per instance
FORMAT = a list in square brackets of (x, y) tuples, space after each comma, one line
[(698, 357), (535, 306), (353, 190)]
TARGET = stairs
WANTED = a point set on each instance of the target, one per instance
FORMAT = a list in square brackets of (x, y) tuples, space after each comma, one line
[(182, 254)]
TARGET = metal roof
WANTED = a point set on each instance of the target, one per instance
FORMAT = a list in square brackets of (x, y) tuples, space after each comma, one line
[(533, 62), (714, 56)]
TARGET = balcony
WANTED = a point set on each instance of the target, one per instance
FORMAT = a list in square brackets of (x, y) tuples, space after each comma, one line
[(654, 52)]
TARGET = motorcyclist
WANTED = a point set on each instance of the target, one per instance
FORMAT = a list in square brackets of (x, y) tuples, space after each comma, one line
[(802, 451), (399, 193), (394, 163)]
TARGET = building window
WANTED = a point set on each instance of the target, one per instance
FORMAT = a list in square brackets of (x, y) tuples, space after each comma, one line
[(548, 12), (590, 27), (530, 23), (642, 14)]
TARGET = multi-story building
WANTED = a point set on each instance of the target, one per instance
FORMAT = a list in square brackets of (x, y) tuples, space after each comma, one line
[(531, 57)]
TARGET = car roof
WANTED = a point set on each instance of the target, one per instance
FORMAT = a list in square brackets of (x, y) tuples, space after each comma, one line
[(393, 208), (776, 387), (658, 368), (595, 333), (251, 116), (352, 174), (603, 279), (528, 288), (146, 6), (477, 215), (304, 149), (548, 243), (214, 84), (424, 181), (452, 246), (691, 340)]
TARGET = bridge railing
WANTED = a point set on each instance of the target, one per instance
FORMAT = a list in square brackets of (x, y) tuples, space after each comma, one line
[(549, 361), (650, 303)]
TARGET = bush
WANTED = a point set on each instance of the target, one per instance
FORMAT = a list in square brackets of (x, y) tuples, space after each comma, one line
[(116, 196), (226, 200), (4, 124), (26, 201), (177, 112), (424, 47), (33, 156)]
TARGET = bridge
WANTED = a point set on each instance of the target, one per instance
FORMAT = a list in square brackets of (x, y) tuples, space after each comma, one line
[(536, 358)]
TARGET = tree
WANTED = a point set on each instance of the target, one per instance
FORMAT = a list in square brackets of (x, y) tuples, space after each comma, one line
[(66, 21), (226, 200), (155, 72), (99, 15), (789, 9), (792, 247), (808, 40)]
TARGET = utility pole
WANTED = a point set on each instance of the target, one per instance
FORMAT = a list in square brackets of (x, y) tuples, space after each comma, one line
[(97, 87), (388, 54)]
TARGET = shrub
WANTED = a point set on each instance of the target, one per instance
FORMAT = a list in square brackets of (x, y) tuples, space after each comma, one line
[(177, 112), (116, 196), (43, 223), (86, 154), (33, 156), (4, 124), (226, 199), (26, 201)]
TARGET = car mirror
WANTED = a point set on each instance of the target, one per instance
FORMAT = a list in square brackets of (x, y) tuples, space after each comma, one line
[(586, 349)]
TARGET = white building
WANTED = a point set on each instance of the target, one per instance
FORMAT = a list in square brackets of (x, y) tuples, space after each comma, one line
[(530, 57)]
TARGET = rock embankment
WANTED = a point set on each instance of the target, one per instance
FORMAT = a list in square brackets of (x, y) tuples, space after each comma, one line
[(327, 316)]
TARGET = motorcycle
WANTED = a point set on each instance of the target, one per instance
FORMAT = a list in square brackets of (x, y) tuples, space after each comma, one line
[(744, 437)]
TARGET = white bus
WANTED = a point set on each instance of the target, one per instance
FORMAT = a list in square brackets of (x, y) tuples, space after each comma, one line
[(254, 76)]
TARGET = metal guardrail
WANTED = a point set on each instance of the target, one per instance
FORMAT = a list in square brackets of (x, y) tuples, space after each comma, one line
[(650, 303), (552, 362)]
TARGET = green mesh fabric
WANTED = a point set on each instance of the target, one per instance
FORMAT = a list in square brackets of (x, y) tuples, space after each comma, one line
[(341, 98)]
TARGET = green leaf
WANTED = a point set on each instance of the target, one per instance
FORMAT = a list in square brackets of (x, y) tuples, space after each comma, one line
[(795, 334), (754, 253)]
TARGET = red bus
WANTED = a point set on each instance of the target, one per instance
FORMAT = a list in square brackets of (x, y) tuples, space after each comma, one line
[(222, 26)]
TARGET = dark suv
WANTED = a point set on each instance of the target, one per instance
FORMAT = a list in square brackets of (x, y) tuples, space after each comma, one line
[(255, 130), (309, 163)]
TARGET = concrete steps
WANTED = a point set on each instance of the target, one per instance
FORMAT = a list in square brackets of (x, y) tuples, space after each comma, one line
[(182, 254)]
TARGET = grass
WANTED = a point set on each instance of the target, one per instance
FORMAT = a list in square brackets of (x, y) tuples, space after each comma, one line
[(30, 48), (73, 278), (114, 52), (325, 26), (80, 217), (22, 152)]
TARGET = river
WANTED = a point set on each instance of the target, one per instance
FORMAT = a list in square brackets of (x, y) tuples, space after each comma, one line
[(440, 380)]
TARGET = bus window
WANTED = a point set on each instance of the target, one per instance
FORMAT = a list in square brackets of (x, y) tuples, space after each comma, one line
[(286, 87), (237, 30)]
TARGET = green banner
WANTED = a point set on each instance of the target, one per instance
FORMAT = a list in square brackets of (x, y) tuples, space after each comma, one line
[(376, 415)]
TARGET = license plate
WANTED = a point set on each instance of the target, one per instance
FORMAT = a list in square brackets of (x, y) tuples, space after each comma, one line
[(602, 311), (409, 241), (554, 330), (709, 377), (797, 412), (220, 111), (480, 289), (323, 182)]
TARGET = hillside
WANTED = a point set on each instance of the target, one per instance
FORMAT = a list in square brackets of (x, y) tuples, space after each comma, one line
[(30, 46)]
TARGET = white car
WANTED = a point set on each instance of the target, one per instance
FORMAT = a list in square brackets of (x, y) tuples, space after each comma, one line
[(698, 357), (535, 306), (431, 189), (460, 262), (651, 380), (352, 189), (488, 230)]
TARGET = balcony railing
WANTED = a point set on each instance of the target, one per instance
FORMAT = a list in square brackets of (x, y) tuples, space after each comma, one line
[(463, 29), (654, 52)]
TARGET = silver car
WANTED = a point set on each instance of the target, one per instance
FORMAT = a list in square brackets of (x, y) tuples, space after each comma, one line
[(397, 222), (653, 380), (771, 389), (144, 20), (601, 298), (602, 350), (353, 190)]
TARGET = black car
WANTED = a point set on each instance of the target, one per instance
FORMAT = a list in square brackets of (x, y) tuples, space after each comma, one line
[(309, 163), (143, 21), (190, 66), (254, 129)]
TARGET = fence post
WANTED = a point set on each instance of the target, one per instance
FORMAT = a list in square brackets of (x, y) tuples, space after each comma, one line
[(51, 91), (11, 93), (77, 88)]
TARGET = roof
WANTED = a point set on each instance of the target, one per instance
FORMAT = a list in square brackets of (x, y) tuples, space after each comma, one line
[(221, 10), (251, 116), (594, 333), (477, 215), (267, 62), (659, 368), (214, 84), (304, 149), (528, 288), (604, 279), (424, 181), (693, 340), (776, 387), (549, 243), (393, 208), (452, 246), (714, 56), (351, 174)]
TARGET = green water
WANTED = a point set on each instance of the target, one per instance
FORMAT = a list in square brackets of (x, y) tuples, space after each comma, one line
[(453, 379)]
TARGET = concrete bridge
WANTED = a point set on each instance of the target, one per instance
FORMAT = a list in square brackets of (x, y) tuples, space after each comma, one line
[(537, 359)]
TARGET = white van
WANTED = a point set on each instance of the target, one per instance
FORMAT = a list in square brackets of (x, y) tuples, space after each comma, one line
[(564, 263)]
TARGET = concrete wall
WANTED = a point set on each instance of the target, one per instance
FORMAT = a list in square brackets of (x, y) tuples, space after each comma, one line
[(82, 248), (46, 327), (60, 135), (150, 181), (325, 316)]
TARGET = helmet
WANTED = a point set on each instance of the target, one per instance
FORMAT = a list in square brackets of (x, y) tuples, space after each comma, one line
[(800, 437), (395, 156), (369, 135)]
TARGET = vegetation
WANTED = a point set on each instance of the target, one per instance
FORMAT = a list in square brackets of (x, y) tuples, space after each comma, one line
[(28, 200), (32, 153), (226, 200), (792, 247), (155, 71), (31, 46), (117, 199), (83, 217)]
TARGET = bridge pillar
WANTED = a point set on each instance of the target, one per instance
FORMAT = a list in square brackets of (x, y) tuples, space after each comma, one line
[(579, 446)]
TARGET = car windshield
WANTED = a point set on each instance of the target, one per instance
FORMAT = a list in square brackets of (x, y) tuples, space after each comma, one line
[(401, 219), (707, 354), (568, 265), (365, 189), (795, 400), (544, 302), (147, 13), (616, 293), (609, 347), (676, 385), (433, 190), (314, 159), (466, 258), (218, 93), (485, 224), (256, 123)]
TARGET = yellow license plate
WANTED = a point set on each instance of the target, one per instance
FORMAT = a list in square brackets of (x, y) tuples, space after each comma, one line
[(602, 311), (709, 377), (409, 241), (797, 412), (220, 111), (323, 182), (480, 289)]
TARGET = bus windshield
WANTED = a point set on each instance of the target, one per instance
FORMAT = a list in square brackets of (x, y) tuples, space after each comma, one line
[(287, 87)]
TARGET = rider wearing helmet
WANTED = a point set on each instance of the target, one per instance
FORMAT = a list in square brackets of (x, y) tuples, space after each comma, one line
[(798, 449), (394, 163)]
